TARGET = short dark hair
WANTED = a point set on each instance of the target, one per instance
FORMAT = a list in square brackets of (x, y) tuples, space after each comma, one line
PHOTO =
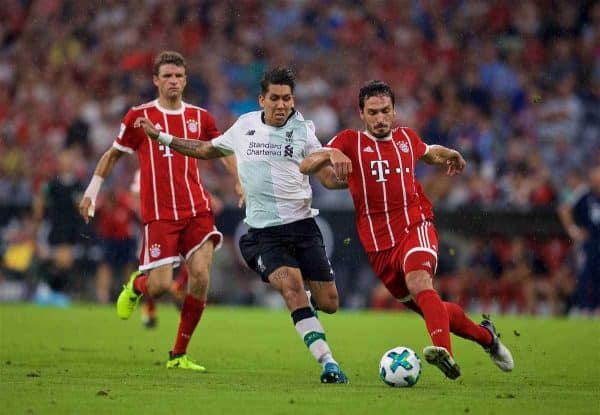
[(168, 57), (373, 89), (280, 75)]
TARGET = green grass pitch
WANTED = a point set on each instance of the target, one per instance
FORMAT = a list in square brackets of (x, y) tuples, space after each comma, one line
[(83, 360)]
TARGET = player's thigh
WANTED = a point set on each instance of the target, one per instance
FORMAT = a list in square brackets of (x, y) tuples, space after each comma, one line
[(160, 244), (390, 275), (196, 232), (200, 260), (418, 250), (159, 279)]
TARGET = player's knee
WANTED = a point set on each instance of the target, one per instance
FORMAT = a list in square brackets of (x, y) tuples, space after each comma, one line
[(417, 281), (158, 286), (330, 304), (294, 297), (198, 279)]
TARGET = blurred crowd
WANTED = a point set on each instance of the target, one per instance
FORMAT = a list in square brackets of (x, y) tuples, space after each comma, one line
[(515, 86)]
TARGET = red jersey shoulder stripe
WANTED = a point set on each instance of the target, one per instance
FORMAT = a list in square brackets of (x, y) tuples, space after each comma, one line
[(195, 107), (144, 106)]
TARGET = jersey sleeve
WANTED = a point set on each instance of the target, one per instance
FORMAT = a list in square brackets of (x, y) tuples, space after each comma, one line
[(312, 142), (417, 144), (210, 127), (340, 142), (126, 140), (226, 141)]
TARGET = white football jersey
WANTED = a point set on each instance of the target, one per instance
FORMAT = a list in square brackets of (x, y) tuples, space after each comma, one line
[(268, 160)]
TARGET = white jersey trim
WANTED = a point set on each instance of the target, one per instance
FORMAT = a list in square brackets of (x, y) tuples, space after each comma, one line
[(176, 260), (412, 152), (404, 198), (209, 235), (418, 249), (178, 111), (364, 184), (170, 163), (385, 202), (185, 171), (153, 170)]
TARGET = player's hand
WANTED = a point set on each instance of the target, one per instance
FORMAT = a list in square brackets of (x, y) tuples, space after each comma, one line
[(86, 209), (456, 163), (341, 164), (148, 127)]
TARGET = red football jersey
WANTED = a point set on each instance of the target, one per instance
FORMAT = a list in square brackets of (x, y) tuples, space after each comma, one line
[(387, 197), (170, 185)]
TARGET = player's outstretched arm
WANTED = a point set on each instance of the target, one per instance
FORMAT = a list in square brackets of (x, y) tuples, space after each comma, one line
[(333, 157), (193, 148), (330, 165), (440, 155), (104, 167)]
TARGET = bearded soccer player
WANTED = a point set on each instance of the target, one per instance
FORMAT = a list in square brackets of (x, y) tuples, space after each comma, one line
[(284, 244), (395, 219), (175, 208)]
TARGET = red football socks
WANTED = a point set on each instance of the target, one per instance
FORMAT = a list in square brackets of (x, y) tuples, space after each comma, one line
[(436, 318), (463, 326), (140, 285), (190, 316)]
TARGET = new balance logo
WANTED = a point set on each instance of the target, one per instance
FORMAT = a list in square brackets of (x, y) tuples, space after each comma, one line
[(250, 132), (368, 149)]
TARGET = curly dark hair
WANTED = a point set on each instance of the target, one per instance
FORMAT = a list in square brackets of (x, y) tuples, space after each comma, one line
[(280, 75), (373, 89)]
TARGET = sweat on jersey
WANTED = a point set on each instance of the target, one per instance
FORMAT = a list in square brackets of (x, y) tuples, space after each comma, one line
[(387, 197), (170, 184), (268, 161)]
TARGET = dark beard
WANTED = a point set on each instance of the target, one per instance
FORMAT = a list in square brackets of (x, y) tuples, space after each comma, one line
[(380, 136)]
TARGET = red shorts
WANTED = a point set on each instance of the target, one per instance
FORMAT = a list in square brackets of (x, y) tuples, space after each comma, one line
[(166, 241), (415, 252)]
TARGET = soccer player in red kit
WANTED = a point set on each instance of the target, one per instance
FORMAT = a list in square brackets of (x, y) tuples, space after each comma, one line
[(175, 208), (395, 219)]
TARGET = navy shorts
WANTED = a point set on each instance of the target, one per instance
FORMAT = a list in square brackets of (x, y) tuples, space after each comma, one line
[(297, 245)]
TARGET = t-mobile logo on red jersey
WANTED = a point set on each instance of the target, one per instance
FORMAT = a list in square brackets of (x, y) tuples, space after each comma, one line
[(380, 168)]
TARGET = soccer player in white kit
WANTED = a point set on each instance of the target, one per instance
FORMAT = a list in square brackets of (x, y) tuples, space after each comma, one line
[(284, 244)]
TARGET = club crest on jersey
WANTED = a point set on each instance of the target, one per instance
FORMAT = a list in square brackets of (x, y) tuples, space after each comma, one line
[(155, 250), (403, 145), (192, 125)]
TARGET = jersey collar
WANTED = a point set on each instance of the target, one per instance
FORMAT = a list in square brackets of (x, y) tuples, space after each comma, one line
[(388, 138), (262, 118), (179, 110)]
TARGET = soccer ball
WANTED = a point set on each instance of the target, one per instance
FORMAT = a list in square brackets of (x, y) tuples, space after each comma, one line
[(400, 367)]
